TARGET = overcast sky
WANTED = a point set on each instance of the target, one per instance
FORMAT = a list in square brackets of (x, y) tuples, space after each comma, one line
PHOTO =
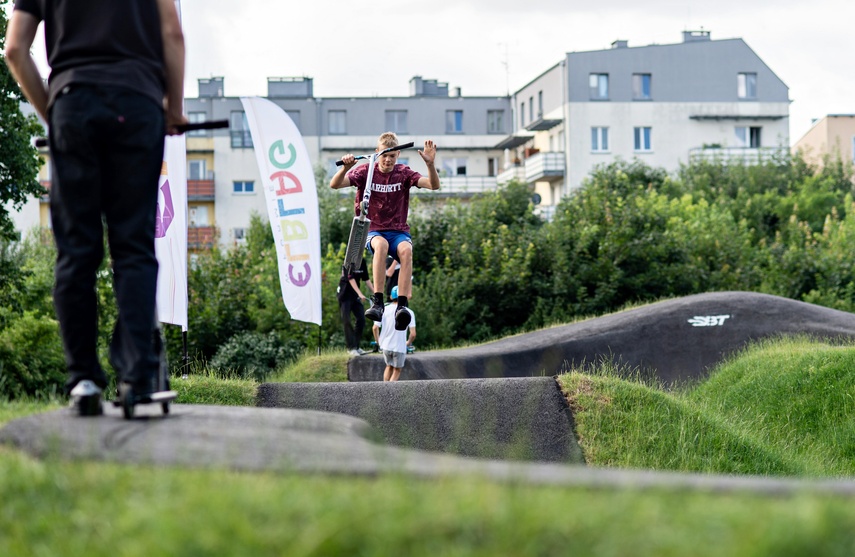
[(488, 47)]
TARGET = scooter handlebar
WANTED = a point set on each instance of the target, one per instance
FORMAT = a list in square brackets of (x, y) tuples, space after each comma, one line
[(395, 148), (182, 128)]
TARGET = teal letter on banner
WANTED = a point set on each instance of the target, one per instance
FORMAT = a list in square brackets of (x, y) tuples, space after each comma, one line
[(278, 148)]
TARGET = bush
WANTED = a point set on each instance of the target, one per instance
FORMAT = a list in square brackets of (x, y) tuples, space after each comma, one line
[(32, 363), (253, 355)]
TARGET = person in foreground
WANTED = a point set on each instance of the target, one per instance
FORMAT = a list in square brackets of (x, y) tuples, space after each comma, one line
[(389, 233), (392, 342), (115, 88)]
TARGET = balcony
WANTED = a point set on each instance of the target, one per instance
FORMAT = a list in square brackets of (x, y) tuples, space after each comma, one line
[(461, 186), (545, 166), (46, 197), (200, 190), (516, 172), (736, 155), (200, 237)]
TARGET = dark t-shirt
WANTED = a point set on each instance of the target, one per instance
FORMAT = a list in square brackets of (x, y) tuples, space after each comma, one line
[(102, 42), (390, 195), (345, 291)]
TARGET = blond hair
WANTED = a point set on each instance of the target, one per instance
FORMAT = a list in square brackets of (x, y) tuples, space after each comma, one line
[(388, 139)]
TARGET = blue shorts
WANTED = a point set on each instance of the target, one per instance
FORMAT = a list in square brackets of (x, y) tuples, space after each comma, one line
[(394, 237)]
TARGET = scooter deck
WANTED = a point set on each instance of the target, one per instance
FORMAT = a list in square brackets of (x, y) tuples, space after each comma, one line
[(151, 398)]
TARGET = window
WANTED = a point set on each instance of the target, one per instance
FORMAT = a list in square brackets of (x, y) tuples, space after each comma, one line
[(196, 169), (396, 121), (531, 109), (642, 139), (243, 187), (453, 121), (197, 118), (641, 86), (522, 115), (239, 130), (454, 167), (495, 121), (540, 104), (239, 235), (599, 86), (492, 166), (748, 136), (599, 140), (337, 122), (746, 85), (198, 215)]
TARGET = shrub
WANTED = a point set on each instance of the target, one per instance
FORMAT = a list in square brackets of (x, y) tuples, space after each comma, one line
[(254, 355), (32, 363)]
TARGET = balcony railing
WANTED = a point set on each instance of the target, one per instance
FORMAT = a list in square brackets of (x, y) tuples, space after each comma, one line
[(200, 189), (463, 185), (516, 172), (200, 237), (736, 155), (546, 166)]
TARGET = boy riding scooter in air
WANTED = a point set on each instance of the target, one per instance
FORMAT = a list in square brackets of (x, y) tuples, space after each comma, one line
[(389, 233)]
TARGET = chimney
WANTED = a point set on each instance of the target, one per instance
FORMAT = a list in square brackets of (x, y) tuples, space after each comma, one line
[(620, 44), (295, 87), (695, 36), (212, 87)]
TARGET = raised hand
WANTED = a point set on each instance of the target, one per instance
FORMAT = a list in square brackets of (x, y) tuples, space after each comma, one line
[(429, 154)]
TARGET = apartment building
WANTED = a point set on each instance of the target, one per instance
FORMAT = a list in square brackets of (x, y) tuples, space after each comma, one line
[(832, 136), (223, 180), (662, 104)]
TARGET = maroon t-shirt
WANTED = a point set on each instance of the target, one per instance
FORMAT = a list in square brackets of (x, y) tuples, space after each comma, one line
[(390, 195)]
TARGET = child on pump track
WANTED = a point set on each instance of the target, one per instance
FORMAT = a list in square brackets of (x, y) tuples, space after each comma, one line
[(389, 233)]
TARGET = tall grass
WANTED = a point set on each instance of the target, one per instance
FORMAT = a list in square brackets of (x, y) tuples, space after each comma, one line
[(782, 407), (329, 367)]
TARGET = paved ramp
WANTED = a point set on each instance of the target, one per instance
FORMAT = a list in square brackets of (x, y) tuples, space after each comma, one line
[(302, 441), (675, 340), (516, 419)]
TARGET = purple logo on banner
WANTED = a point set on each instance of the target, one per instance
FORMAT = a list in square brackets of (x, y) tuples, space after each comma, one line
[(164, 218)]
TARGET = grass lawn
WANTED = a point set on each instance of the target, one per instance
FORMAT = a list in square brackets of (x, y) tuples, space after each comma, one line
[(781, 408)]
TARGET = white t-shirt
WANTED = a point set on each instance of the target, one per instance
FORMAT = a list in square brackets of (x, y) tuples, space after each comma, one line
[(390, 339)]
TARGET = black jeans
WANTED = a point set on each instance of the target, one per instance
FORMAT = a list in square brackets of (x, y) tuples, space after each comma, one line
[(352, 335), (106, 145)]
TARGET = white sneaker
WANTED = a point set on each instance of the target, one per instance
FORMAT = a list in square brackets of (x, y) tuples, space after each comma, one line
[(360, 351), (86, 398), (354, 352)]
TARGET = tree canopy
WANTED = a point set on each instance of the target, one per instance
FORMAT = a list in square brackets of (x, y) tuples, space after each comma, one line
[(19, 159)]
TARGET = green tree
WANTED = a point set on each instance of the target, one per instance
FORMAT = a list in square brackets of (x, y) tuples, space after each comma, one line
[(19, 159)]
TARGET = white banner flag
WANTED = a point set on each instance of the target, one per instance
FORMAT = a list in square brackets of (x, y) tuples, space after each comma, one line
[(170, 236), (292, 205)]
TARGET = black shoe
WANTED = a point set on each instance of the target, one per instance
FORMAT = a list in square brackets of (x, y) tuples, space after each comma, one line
[(402, 318), (86, 398), (375, 312)]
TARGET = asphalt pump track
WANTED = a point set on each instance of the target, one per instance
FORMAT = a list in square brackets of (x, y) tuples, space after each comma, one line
[(495, 411)]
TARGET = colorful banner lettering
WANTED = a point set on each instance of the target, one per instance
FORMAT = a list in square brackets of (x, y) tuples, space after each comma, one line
[(292, 203)]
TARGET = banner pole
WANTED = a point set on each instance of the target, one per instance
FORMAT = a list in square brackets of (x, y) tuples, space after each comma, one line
[(186, 357)]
